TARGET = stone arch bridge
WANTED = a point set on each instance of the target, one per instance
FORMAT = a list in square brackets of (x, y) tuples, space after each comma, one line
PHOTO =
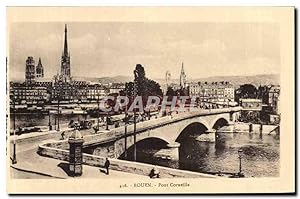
[(113, 143)]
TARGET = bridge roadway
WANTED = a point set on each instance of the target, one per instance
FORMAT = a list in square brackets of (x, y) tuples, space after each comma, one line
[(118, 133)]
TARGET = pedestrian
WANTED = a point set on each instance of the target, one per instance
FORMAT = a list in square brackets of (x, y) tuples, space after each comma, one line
[(106, 165), (62, 135), (154, 173)]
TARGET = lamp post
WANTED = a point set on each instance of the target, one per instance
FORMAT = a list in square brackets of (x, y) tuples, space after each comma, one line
[(58, 96), (106, 120), (98, 110), (125, 153), (134, 114), (14, 160), (240, 152), (49, 122)]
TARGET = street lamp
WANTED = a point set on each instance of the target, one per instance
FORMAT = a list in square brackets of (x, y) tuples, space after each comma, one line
[(98, 109), (58, 98), (107, 121), (125, 153), (14, 160), (49, 122), (240, 152), (134, 114)]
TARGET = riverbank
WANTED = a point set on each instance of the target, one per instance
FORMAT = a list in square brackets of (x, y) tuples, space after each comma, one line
[(256, 128), (241, 127)]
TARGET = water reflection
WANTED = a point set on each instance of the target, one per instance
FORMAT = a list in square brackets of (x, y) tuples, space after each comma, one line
[(260, 156)]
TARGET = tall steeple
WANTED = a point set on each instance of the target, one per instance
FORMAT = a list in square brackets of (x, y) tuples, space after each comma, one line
[(66, 41), (65, 60), (182, 77), (182, 69)]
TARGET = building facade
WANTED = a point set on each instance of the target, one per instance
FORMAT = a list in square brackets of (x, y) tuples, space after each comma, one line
[(251, 109), (216, 92), (24, 93), (274, 98), (270, 96)]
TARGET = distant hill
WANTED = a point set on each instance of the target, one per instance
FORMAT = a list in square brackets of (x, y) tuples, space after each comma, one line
[(104, 80), (235, 80), (239, 80)]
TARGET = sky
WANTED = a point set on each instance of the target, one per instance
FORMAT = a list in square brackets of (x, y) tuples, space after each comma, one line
[(101, 49)]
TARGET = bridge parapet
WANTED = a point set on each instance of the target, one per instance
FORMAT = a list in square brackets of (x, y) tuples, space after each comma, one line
[(118, 133), (121, 165)]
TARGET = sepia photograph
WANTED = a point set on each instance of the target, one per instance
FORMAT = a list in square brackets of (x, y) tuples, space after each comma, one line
[(150, 100)]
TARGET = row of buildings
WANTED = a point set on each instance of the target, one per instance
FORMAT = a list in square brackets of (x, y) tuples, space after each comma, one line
[(264, 107), (218, 92), (214, 92), (37, 90), (48, 92)]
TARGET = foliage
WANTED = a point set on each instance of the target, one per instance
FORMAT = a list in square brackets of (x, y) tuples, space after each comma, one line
[(246, 91), (171, 92), (144, 87)]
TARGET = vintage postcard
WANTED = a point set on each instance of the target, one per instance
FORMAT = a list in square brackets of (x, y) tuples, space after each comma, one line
[(109, 100)]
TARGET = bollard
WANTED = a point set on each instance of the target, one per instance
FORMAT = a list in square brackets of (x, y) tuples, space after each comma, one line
[(250, 127)]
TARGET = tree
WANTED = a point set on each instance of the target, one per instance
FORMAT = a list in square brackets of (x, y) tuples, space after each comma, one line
[(171, 92), (144, 87), (246, 91)]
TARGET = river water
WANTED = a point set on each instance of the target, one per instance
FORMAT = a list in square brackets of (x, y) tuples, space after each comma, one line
[(28, 120), (260, 155)]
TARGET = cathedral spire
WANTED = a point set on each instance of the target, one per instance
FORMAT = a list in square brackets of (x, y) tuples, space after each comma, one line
[(65, 60), (66, 41), (182, 77)]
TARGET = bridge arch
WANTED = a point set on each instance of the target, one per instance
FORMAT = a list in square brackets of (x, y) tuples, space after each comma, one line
[(140, 138), (219, 122), (192, 129), (147, 147)]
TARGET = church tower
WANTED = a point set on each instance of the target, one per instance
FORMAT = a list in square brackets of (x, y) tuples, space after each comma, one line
[(182, 77), (39, 69), (65, 61), (30, 70)]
